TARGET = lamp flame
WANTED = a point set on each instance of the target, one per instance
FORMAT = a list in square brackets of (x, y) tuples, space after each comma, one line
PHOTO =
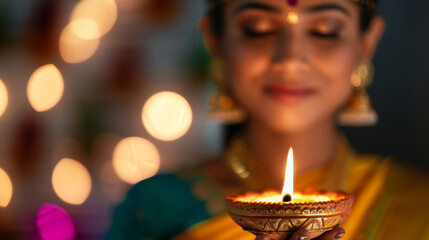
[(288, 184)]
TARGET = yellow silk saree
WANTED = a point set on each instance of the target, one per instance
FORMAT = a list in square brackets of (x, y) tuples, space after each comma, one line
[(390, 203)]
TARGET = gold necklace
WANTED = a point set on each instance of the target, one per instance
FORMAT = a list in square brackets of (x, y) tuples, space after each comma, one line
[(248, 172)]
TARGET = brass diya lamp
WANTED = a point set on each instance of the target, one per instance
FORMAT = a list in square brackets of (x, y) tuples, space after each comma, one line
[(283, 213)]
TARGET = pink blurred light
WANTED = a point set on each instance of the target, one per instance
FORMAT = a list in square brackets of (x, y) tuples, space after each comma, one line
[(54, 223)]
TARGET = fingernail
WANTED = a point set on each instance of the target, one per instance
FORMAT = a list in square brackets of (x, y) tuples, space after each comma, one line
[(340, 235), (302, 237)]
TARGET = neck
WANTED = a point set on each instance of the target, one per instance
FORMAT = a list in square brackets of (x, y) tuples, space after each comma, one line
[(313, 147)]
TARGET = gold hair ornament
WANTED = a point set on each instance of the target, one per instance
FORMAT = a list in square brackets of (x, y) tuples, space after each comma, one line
[(367, 3)]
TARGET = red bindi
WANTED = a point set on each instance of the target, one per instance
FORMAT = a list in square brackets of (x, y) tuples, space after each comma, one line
[(292, 2)]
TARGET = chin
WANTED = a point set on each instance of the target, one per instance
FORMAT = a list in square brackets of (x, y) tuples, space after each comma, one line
[(289, 123), (296, 118)]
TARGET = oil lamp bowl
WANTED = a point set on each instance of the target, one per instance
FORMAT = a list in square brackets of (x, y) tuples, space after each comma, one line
[(260, 213)]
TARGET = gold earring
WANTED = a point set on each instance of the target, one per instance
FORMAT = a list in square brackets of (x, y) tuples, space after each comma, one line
[(222, 107), (359, 112)]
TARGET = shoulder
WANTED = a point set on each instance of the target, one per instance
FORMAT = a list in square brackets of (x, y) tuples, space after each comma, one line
[(159, 186), (368, 163), (365, 168), (170, 193), (159, 207), (403, 194), (372, 163), (167, 190)]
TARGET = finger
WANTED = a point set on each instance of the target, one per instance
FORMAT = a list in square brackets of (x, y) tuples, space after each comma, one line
[(300, 234), (334, 234), (271, 236), (262, 237)]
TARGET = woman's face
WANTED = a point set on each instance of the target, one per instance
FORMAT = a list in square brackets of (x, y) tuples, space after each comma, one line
[(290, 66)]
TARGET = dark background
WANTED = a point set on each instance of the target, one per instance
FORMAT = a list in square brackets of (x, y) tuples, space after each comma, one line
[(400, 92)]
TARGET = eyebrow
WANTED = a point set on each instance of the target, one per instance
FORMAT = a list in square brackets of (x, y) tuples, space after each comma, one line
[(327, 7), (256, 5)]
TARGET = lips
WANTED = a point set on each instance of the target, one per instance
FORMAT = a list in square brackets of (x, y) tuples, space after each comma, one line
[(288, 94)]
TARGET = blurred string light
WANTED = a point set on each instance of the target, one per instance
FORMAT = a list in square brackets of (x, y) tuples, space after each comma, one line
[(71, 181), (74, 49), (45, 88), (4, 98), (98, 14), (6, 189), (167, 116), (85, 28), (135, 159), (54, 223)]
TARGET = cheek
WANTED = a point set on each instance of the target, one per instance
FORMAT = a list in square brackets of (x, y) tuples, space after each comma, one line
[(335, 68), (245, 69)]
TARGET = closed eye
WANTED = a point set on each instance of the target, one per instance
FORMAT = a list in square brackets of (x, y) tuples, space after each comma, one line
[(255, 34), (333, 35)]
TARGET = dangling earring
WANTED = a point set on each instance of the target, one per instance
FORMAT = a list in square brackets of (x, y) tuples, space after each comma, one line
[(222, 107), (359, 111)]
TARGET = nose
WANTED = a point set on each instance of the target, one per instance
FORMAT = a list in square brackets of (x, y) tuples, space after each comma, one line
[(290, 52)]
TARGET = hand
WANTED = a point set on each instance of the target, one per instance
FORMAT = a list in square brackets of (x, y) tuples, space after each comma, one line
[(303, 234)]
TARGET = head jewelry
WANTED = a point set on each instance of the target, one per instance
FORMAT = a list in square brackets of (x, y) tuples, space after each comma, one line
[(367, 4)]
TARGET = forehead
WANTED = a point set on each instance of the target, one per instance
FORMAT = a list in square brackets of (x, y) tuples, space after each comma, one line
[(345, 6)]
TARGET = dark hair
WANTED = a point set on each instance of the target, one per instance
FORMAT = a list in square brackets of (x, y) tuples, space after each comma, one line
[(367, 11)]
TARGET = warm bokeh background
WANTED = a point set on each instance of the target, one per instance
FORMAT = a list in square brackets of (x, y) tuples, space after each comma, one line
[(84, 111)]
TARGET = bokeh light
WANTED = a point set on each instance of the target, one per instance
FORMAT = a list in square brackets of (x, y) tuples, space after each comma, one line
[(6, 189), (135, 159), (71, 181), (54, 223), (103, 12), (45, 88), (167, 116), (4, 98), (74, 49), (85, 28)]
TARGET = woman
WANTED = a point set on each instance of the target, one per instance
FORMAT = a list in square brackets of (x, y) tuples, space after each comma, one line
[(288, 64)]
